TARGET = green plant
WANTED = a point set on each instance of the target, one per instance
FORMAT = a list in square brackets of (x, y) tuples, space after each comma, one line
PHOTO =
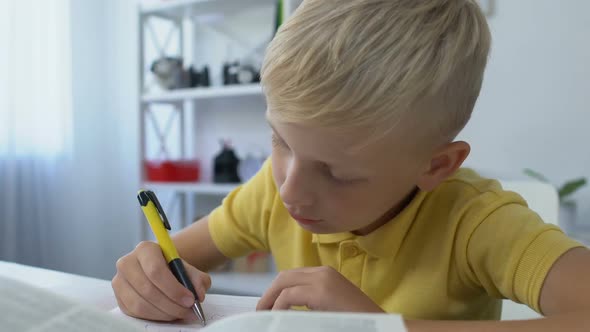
[(565, 190)]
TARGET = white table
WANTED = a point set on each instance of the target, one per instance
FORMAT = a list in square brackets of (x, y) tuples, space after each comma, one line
[(99, 293), (95, 292)]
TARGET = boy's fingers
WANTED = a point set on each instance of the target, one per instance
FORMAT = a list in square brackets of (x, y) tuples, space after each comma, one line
[(157, 271), (122, 306), (151, 293), (118, 288), (132, 304), (201, 280), (284, 280), (298, 295)]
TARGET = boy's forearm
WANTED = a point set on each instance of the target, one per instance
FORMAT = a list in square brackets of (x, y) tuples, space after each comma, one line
[(195, 245), (571, 322)]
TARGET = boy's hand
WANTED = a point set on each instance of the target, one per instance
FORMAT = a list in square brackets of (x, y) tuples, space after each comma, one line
[(146, 288), (318, 288)]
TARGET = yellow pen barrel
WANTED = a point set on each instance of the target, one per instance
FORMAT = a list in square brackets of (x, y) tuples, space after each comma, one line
[(160, 232), (159, 224)]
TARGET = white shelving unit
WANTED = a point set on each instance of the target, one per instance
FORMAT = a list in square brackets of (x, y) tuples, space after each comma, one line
[(182, 17), (192, 187), (179, 9), (171, 28), (181, 95)]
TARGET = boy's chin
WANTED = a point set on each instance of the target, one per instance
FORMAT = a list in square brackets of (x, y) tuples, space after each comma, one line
[(321, 228)]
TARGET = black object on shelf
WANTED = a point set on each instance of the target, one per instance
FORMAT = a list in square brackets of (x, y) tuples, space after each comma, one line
[(226, 164), (199, 78), (194, 76), (236, 73), (170, 74), (230, 73), (226, 66), (204, 77)]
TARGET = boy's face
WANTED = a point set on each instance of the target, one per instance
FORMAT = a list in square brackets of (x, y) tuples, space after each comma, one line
[(329, 188)]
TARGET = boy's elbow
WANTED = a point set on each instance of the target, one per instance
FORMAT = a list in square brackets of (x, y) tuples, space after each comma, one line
[(566, 289)]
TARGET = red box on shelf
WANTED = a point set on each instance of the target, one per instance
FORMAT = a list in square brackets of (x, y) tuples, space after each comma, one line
[(172, 170)]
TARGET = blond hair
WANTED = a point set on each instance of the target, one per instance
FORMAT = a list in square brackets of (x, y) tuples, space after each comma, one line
[(366, 63)]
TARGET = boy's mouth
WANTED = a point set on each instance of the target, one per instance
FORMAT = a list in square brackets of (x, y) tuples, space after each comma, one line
[(303, 220)]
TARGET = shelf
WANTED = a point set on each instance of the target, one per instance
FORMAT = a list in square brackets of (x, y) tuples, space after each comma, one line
[(203, 93), (178, 9), (192, 187)]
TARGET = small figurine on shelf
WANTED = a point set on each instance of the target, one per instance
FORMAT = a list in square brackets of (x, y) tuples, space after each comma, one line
[(226, 164), (170, 73)]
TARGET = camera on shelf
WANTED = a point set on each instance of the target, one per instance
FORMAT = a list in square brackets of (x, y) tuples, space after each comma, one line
[(236, 73), (170, 74)]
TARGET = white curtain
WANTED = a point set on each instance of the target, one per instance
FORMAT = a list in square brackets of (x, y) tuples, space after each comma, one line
[(35, 122)]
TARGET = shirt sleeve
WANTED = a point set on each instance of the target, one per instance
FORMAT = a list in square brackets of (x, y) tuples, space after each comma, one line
[(510, 252), (240, 224)]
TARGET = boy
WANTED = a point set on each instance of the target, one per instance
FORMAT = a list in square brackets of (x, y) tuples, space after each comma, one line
[(363, 203)]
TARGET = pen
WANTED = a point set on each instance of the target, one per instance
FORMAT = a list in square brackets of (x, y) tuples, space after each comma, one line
[(159, 224)]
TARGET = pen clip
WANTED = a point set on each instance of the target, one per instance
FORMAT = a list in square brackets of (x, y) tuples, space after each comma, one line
[(150, 195)]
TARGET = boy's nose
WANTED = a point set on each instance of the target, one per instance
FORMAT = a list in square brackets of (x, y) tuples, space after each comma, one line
[(296, 189)]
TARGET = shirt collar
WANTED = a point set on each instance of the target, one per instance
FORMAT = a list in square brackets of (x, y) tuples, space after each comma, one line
[(387, 239)]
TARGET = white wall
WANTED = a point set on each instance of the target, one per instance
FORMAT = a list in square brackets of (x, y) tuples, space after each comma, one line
[(99, 213), (534, 110)]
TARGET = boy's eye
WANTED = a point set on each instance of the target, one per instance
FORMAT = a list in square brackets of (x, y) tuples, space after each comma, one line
[(342, 180), (339, 179)]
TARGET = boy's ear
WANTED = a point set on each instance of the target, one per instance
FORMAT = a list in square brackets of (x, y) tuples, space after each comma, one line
[(445, 161)]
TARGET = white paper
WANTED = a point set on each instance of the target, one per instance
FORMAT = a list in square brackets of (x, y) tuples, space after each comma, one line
[(293, 321), (236, 313), (27, 308), (215, 307)]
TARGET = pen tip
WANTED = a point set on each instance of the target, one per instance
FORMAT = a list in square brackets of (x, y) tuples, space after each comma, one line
[(199, 313)]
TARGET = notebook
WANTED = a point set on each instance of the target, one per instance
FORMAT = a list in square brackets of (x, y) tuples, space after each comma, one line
[(28, 308)]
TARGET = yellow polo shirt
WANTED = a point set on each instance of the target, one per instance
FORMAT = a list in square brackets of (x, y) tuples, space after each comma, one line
[(452, 253)]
